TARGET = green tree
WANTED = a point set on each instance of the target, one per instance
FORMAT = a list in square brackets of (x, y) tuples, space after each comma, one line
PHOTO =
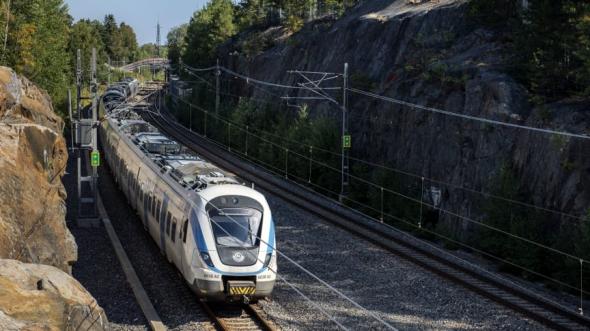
[(85, 35), (128, 43), (111, 38), (176, 43), (37, 44), (209, 28)]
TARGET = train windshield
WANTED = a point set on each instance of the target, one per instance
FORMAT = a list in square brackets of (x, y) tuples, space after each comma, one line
[(236, 227)]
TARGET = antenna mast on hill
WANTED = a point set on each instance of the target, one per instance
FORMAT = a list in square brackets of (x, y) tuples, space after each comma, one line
[(158, 39)]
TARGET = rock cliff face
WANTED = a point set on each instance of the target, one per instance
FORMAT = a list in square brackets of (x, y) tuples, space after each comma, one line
[(430, 55), (40, 297), (33, 157)]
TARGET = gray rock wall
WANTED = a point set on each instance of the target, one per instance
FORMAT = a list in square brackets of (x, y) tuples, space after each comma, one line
[(430, 55)]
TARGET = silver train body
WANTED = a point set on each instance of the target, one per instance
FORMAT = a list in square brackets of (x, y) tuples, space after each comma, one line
[(218, 233)]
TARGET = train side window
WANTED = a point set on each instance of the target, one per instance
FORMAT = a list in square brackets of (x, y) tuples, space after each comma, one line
[(151, 205), (158, 211), (168, 216), (173, 235), (184, 231)]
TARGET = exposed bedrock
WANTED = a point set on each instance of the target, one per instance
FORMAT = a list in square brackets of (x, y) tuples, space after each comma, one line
[(41, 297), (33, 156), (431, 55), (36, 248)]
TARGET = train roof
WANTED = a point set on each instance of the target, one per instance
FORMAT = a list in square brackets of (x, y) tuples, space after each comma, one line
[(174, 160)]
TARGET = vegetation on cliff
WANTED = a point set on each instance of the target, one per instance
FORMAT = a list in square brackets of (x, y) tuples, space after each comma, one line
[(441, 61), (550, 42), (39, 40)]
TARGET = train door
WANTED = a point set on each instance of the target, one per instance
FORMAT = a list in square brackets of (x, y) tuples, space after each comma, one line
[(168, 237), (183, 233), (138, 193)]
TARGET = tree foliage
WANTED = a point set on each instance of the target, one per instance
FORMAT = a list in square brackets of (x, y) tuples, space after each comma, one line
[(208, 28), (550, 42), (42, 42), (177, 43), (37, 43)]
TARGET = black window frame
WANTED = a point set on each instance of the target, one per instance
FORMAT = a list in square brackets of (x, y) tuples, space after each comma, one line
[(185, 231), (173, 231), (168, 220)]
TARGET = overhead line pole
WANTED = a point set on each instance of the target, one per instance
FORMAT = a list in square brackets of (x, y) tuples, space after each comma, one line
[(95, 123), (217, 76), (345, 139)]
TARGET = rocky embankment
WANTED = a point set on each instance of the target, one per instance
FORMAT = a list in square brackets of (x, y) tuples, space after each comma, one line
[(432, 54), (36, 248)]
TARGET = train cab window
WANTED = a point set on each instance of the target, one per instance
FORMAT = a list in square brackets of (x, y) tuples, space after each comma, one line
[(173, 230), (184, 231), (168, 216)]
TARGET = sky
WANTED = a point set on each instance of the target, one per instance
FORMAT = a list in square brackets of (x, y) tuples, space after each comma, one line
[(142, 15)]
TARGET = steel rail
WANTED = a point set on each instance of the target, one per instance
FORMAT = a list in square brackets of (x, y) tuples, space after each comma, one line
[(518, 299), (237, 323)]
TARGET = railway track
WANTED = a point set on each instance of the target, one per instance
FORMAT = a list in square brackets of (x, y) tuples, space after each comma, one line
[(237, 317), (490, 285)]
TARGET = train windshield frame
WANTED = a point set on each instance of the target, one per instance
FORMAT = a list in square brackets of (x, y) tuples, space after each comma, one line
[(236, 227)]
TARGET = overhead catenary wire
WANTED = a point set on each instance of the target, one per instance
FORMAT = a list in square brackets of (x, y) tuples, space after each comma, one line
[(249, 252), (299, 266), (399, 171), (438, 181), (464, 218), (467, 117), (305, 270), (311, 274)]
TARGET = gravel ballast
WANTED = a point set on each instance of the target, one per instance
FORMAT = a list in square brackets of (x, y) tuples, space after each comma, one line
[(98, 268), (400, 293)]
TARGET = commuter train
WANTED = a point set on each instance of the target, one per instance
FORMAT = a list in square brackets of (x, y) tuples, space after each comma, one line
[(218, 232)]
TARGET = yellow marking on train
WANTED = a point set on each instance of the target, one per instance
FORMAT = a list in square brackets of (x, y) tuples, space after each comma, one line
[(242, 290)]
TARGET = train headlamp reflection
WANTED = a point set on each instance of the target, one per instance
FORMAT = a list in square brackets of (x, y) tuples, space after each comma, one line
[(207, 259)]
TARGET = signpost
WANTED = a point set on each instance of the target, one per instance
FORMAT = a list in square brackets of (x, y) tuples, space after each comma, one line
[(346, 141)]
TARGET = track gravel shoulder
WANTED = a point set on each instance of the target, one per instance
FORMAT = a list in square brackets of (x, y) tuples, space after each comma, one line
[(176, 304), (400, 293), (98, 269)]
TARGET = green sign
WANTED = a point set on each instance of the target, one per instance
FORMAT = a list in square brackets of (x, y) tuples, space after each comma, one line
[(346, 141), (95, 159)]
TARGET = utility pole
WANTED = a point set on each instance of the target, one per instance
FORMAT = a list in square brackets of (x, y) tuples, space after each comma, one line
[(94, 93), (217, 76), (313, 83), (346, 139), (78, 82), (86, 140)]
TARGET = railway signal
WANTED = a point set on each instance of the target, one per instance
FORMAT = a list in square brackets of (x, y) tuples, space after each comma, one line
[(86, 139), (95, 159)]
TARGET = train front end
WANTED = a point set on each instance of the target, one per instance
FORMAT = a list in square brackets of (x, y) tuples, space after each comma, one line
[(234, 258)]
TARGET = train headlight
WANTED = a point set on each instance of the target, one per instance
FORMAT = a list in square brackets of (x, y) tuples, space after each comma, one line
[(207, 259), (267, 259)]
